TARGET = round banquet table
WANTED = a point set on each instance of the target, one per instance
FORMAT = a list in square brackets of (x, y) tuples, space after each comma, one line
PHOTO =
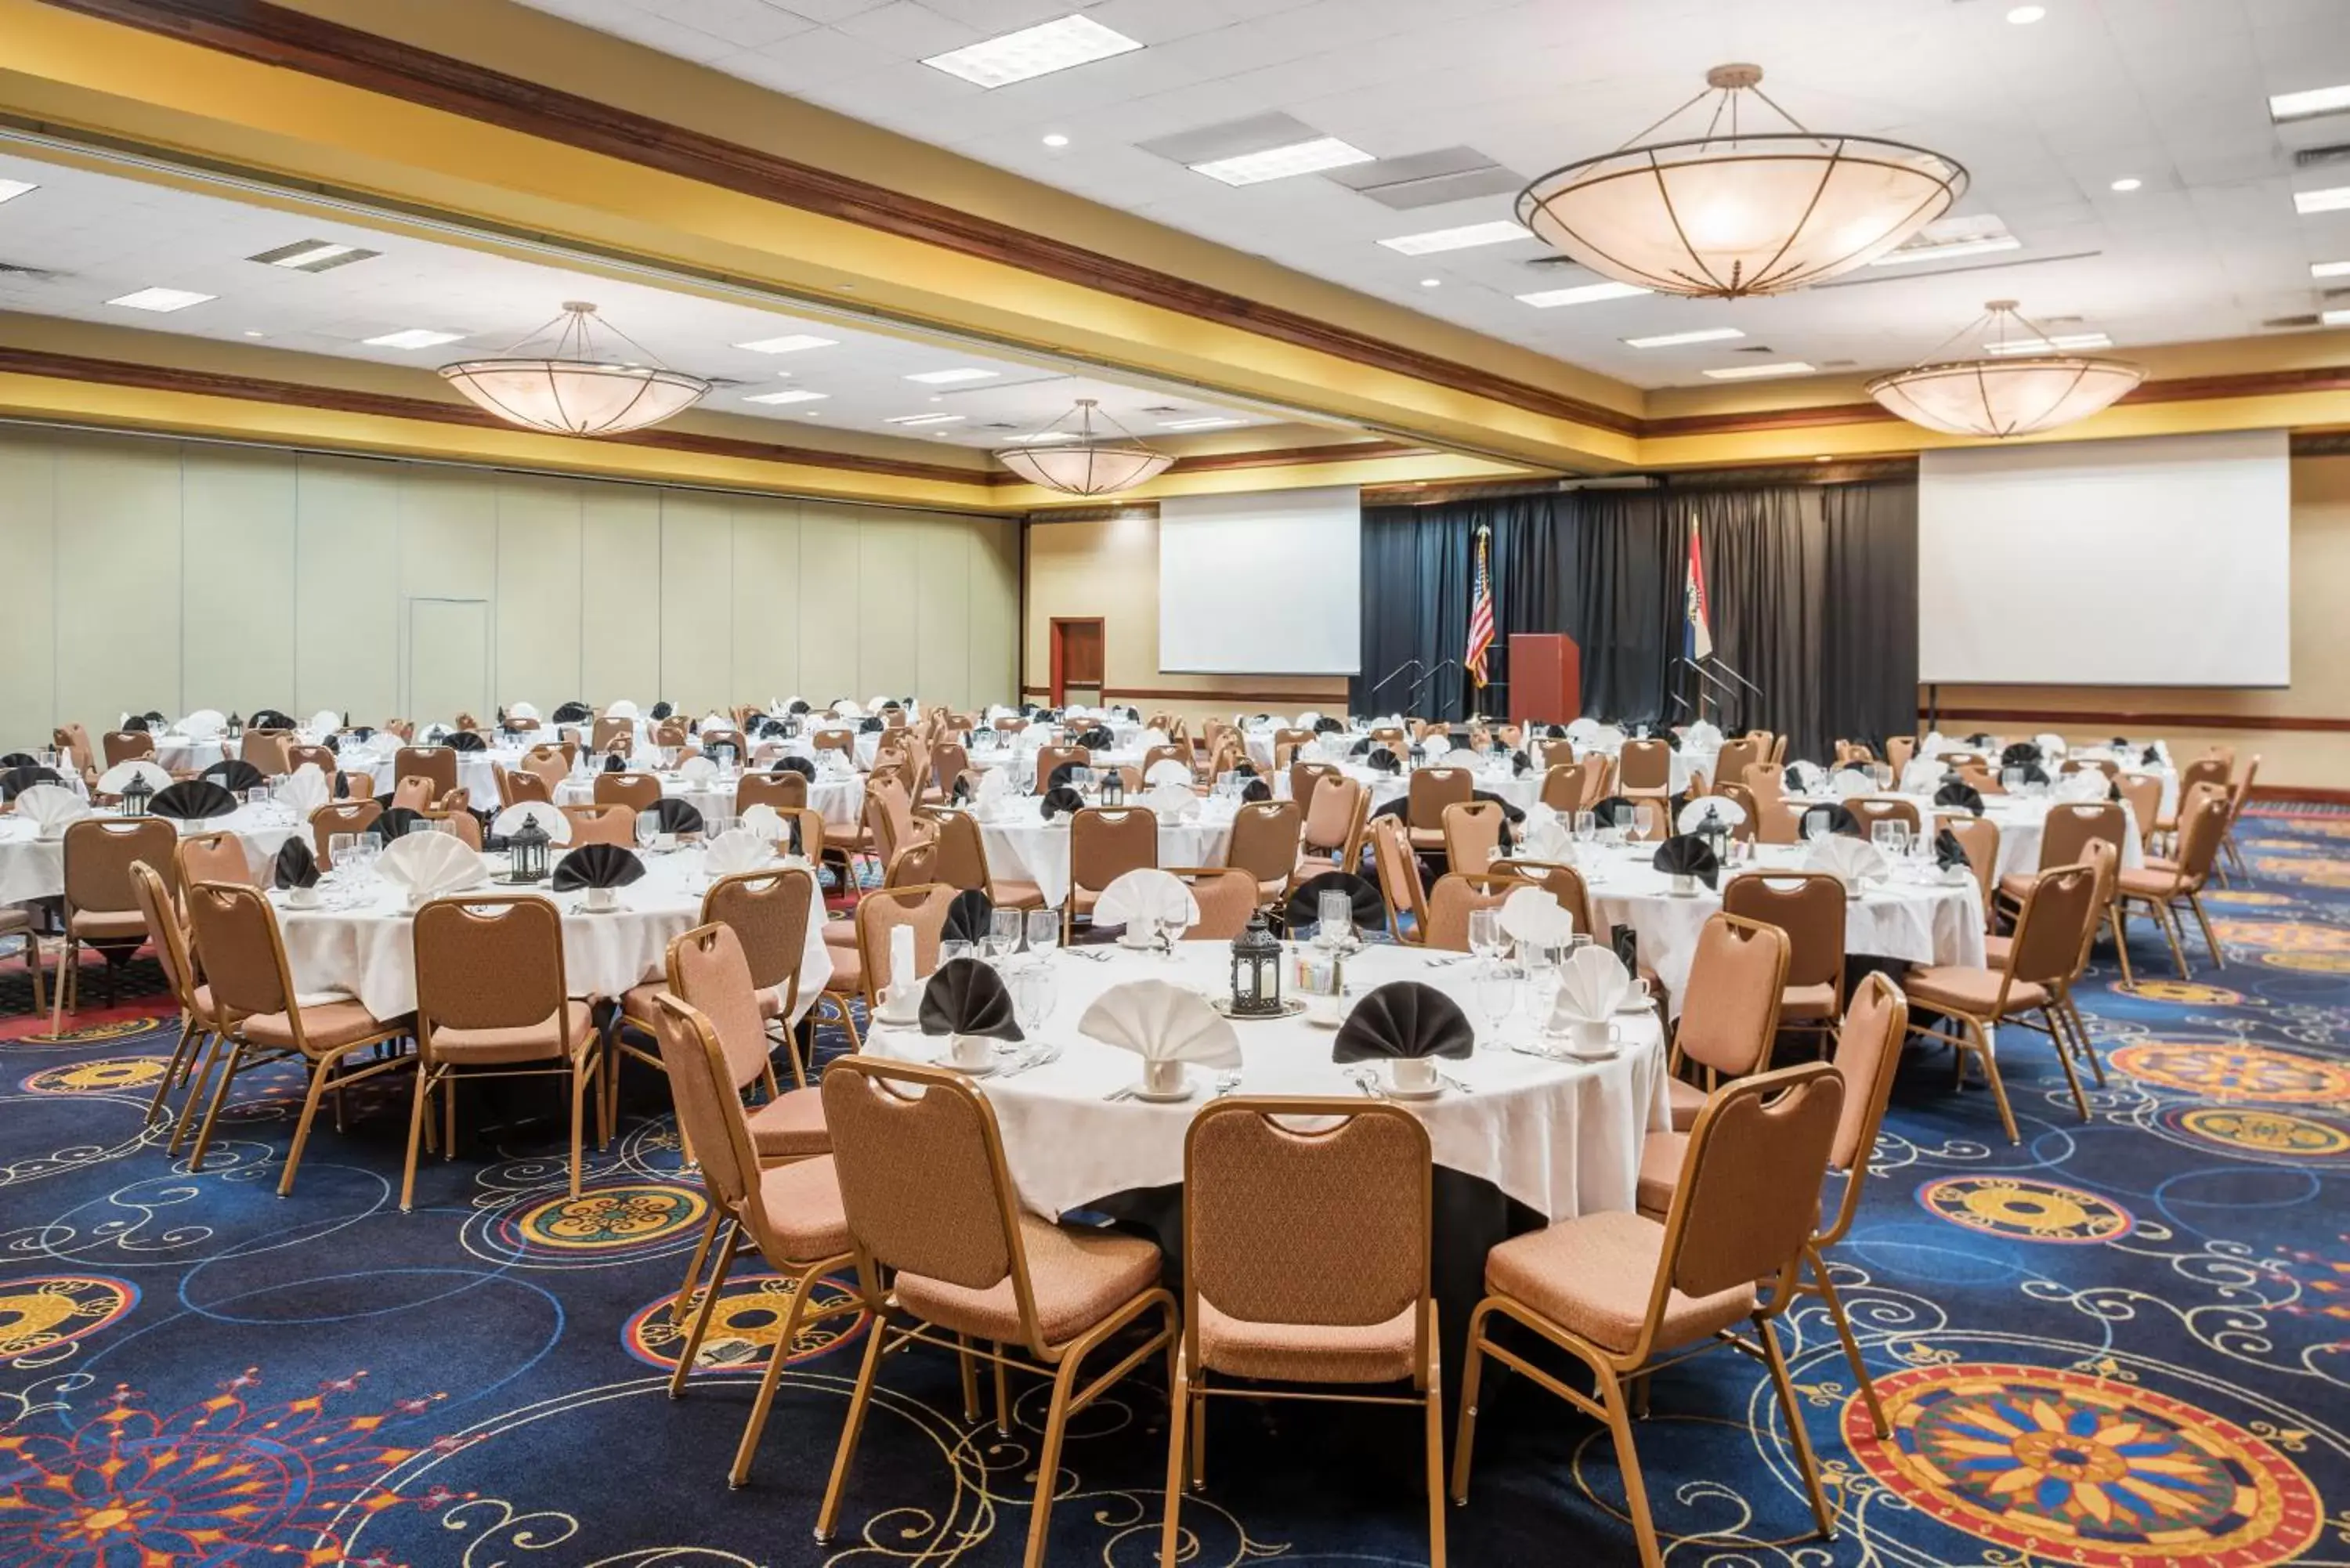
[(361, 942), (1022, 847), (1523, 791), (1907, 920), (2022, 820), (838, 798), (32, 867), (186, 753)]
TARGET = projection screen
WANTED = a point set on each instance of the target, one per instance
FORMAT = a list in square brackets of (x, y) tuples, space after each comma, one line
[(1267, 583)]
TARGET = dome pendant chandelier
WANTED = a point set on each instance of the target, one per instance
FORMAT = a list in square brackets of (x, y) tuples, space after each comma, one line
[(1072, 458), (573, 390), (2011, 392), (1735, 211)]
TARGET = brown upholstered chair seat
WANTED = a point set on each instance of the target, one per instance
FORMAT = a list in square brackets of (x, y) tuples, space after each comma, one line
[(1948, 987), (848, 970), (1808, 1002), (1308, 1353), (789, 1126), (1006, 894), (328, 1026), (550, 1039), (803, 1208), (1079, 1277), (1592, 1276), (108, 925), (2147, 883), (839, 934)]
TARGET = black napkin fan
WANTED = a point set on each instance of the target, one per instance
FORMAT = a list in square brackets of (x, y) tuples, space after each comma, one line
[(1404, 1018), (968, 997), (598, 866)]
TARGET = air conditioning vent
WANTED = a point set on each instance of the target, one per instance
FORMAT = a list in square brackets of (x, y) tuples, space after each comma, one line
[(38, 275), (2313, 156), (2286, 322)]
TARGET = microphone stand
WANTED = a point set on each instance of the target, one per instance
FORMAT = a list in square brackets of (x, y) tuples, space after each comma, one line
[(1411, 698)]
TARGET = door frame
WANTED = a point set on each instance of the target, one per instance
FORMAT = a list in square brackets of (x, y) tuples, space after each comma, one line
[(1053, 644)]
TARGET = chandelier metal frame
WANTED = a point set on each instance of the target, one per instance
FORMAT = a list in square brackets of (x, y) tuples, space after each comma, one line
[(1105, 463), (1943, 394), (494, 384)]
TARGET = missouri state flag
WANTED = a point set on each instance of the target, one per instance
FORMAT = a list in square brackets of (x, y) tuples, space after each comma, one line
[(1696, 632)]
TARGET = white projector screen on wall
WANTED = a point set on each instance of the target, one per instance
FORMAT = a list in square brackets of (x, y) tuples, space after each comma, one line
[(1267, 583), (2157, 562)]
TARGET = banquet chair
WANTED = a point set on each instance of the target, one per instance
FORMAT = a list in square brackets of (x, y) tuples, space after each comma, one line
[(550, 764), (1458, 893), (272, 750), (601, 824), (1739, 795), (1104, 844), (2160, 889), (1306, 1261), (1051, 757), (1730, 762), (1227, 897), (518, 785), (2042, 958), (1266, 837), (167, 933), (339, 817), (1224, 754), (2142, 793), (1899, 750), (1872, 809), (639, 791), (214, 857), (1644, 768), (1430, 791), (669, 734), (127, 746), (949, 760), (1598, 776), (402, 728), (2103, 861), (1286, 746), (1472, 834), (1562, 788), (1730, 1015), (784, 792), (260, 1019), (413, 792), (912, 866), (1182, 756), (493, 1001), (1399, 884), (438, 764), (102, 908), (789, 1214), (1979, 837), (1614, 1289), (609, 733), (23, 924), (2068, 828), (1305, 776), (1009, 725), (961, 862), (73, 741), (861, 971), (930, 1200), (2237, 798), (328, 763), (1390, 735), (1808, 907), (463, 823)]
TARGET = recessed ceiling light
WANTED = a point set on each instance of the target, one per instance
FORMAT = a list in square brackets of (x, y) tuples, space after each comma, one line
[(250, 333), (1056, 140), (2054, 343), (2128, 185), (950, 377), (1035, 51), (1761, 372), (414, 337), (161, 299), (2329, 269), (791, 345), (1461, 239), (1675, 339), (1581, 294), (2285, 106), (2335, 319), (313, 256), (1282, 162), (1913, 251), (925, 418), (1207, 424), (12, 189), (2024, 15), (1824, 457), (797, 395), (1431, 283), (2332, 200)]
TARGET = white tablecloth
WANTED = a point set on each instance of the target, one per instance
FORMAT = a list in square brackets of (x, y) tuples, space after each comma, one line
[(33, 869), (1022, 846), (1918, 922), (179, 754), (363, 943), (839, 799), (1563, 1137)]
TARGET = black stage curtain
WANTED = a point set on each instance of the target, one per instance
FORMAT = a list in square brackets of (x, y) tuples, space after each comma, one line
[(1812, 592)]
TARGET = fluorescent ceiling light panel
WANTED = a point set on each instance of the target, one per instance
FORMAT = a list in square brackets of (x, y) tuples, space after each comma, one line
[(161, 299), (925, 418), (2335, 319), (1282, 162), (1675, 339), (2335, 199), (2285, 106), (793, 344), (1761, 372), (1035, 51), (1466, 237), (1207, 424), (949, 378), (1581, 294), (12, 189), (414, 337), (790, 397), (313, 256), (2056, 343), (2329, 269)]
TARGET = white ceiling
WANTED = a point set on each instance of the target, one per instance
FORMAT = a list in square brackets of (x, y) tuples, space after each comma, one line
[(101, 236), (2046, 117)]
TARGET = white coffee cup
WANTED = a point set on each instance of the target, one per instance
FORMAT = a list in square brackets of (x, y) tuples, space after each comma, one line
[(971, 1052), (1326, 1010), (1637, 996), (1413, 1075), (301, 897), (603, 898), (1684, 884), (1162, 1077), (1595, 1037)]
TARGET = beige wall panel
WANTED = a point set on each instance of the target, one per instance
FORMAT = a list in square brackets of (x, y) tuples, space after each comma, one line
[(619, 595), (239, 508), (117, 580), (29, 630), (889, 554), (766, 600), (697, 600), (829, 605), (941, 623), (448, 531), (347, 626), (538, 604), (994, 612)]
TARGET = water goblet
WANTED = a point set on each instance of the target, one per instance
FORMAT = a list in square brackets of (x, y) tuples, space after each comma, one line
[(1044, 930)]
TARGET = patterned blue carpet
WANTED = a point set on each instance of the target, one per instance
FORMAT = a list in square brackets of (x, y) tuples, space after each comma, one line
[(2124, 1342)]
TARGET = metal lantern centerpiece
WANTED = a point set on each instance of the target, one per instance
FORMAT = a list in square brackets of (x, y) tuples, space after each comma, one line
[(1716, 834), (1113, 787), (1072, 456), (136, 795), (1256, 972), (1733, 212), (527, 850), (2021, 384), (573, 389)]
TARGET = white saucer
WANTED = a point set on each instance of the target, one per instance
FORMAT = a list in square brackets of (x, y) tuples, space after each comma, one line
[(906, 1020), (952, 1066), (1388, 1088), (605, 909), (1137, 944), (1320, 1020), (1570, 1054), (1637, 1004), (1175, 1098), (1670, 893)]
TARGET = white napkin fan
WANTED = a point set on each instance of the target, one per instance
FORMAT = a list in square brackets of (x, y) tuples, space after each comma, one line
[(1702, 735), (623, 709), (2089, 784), (48, 807), (763, 821), (117, 779), (1848, 859), (203, 724), (427, 865), (1592, 984), (1172, 803), (1923, 775), (325, 722), (1147, 894), (550, 821), (521, 710), (696, 769), (304, 791), (1581, 731), (736, 850), (1726, 811), (1546, 835), (1436, 745), (1168, 771), (1846, 784), (1533, 916), (1161, 1023)]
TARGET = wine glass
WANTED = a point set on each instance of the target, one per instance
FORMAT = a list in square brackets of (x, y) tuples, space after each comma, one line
[(1004, 926), (1586, 828), (1335, 911), (647, 829), (342, 851), (1044, 930), (1033, 994), (1496, 996), (951, 948), (1485, 934)]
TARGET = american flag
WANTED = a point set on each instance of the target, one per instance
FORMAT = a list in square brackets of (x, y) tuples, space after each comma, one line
[(1481, 611)]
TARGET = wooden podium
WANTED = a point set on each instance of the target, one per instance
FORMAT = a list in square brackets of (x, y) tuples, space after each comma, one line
[(1546, 678)]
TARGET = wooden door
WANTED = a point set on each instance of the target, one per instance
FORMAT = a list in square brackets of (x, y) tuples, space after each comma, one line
[(1078, 662)]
